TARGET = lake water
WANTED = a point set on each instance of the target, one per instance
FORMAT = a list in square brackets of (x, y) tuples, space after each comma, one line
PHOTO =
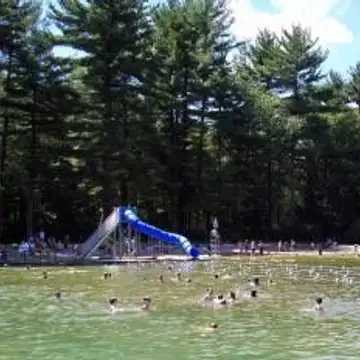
[(279, 325)]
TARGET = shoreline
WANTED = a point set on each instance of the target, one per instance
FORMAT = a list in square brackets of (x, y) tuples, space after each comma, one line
[(273, 256)]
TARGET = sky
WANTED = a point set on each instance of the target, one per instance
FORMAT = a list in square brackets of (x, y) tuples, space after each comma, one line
[(334, 22)]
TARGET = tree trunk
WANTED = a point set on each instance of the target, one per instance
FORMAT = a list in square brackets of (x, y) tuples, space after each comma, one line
[(3, 158), (32, 170)]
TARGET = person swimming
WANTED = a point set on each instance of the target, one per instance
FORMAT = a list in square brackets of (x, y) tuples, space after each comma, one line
[(232, 298), (253, 294), (147, 304), (318, 304), (220, 301), (208, 298), (45, 275), (208, 328), (113, 303), (255, 282), (209, 295), (58, 295)]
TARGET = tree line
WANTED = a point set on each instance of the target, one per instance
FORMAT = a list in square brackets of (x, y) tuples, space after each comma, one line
[(164, 109)]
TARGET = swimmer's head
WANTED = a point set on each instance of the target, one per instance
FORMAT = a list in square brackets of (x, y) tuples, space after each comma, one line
[(220, 296), (113, 301), (253, 293), (256, 281), (319, 300), (216, 276), (213, 326), (178, 275), (58, 294), (146, 304), (45, 275), (161, 278), (209, 291), (232, 295)]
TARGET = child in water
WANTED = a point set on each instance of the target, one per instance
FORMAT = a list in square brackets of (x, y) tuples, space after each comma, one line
[(146, 306), (113, 304), (255, 282), (209, 295), (318, 304), (207, 329), (220, 301), (231, 299)]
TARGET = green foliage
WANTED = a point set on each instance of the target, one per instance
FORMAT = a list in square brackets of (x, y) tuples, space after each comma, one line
[(165, 110)]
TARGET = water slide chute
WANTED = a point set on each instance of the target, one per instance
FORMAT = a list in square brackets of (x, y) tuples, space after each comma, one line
[(127, 215)]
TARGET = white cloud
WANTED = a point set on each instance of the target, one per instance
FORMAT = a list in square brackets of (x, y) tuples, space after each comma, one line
[(323, 17)]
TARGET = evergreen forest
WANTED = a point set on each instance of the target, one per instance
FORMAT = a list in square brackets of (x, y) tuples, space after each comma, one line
[(162, 108)]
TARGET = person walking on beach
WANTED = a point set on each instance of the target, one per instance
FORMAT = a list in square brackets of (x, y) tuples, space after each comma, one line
[(261, 247), (292, 245), (253, 247)]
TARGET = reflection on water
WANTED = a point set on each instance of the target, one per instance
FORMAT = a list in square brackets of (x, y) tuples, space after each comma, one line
[(36, 325)]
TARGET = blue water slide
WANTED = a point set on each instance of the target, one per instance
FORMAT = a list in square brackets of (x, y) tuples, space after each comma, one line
[(130, 217)]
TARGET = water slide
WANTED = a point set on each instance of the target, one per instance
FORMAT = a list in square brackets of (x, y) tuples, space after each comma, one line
[(127, 215)]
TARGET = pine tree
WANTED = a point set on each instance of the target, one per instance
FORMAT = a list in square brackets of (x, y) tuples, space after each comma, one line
[(17, 18), (301, 64), (113, 36)]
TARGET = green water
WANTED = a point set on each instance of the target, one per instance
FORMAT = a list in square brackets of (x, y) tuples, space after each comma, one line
[(278, 325)]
